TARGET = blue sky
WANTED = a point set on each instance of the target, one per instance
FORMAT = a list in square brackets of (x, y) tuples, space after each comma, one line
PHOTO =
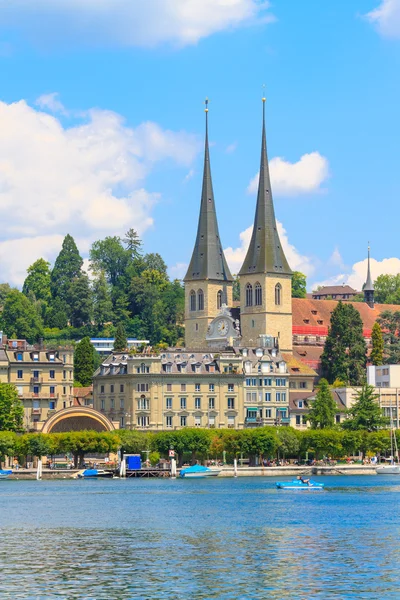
[(102, 123)]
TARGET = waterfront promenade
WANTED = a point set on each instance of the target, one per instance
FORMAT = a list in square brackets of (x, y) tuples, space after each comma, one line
[(226, 471)]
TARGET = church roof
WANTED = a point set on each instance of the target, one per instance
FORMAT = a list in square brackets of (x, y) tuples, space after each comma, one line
[(265, 253), (208, 260)]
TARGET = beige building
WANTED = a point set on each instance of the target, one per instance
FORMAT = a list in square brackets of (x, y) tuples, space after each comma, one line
[(234, 388), (44, 379)]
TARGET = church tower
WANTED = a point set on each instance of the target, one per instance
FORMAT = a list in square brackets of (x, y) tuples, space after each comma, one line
[(368, 287), (208, 281), (265, 277)]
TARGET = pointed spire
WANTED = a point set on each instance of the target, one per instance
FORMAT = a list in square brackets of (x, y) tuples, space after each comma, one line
[(208, 260), (265, 253), (368, 285)]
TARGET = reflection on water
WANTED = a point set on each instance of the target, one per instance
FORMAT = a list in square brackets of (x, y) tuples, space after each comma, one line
[(220, 539)]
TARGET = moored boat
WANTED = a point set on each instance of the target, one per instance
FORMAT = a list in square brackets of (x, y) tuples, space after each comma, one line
[(94, 473), (197, 471), (391, 469), (4, 473), (298, 484)]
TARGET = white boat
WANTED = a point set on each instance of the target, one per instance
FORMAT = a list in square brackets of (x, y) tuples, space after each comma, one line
[(4, 473), (197, 471), (392, 468)]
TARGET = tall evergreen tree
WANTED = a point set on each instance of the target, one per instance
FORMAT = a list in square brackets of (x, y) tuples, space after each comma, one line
[(377, 345), (67, 266), (121, 343), (84, 361), (37, 281), (56, 314), (110, 256), (133, 243), (19, 317), (323, 409), (11, 408), (102, 304), (344, 355), (365, 414), (80, 301), (390, 325)]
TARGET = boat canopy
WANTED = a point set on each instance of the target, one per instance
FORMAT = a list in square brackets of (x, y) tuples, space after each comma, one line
[(195, 469)]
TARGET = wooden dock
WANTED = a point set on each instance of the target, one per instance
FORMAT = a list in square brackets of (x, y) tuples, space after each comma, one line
[(148, 473)]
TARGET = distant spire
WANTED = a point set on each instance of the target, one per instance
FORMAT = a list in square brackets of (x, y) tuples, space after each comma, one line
[(368, 287), (208, 260), (265, 253)]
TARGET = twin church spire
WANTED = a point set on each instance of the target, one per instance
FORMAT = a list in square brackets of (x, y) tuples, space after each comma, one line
[(265, 253)]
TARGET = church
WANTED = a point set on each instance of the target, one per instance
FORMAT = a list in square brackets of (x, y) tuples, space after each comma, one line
[(240, 360)]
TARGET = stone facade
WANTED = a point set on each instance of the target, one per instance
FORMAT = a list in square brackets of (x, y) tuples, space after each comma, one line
[(197, 321)]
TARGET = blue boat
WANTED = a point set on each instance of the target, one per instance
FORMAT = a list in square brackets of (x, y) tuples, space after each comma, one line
[(197, 471), (94, 474), (298, 484), (4, 473)]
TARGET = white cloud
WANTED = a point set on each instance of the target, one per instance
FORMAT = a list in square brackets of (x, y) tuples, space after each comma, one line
[(289, 179), (86, 180), (129, 22), (188, 175), (336, 259), (231, 148), (297, 262), (386, 18), (358, 272), (178, 271), (51, 102)]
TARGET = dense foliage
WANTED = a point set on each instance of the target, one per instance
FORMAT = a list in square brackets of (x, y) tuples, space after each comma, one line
[(344, 355), (11, 408), (299, 285), (387, 289), (377, 345), (365, 414), (126, 287), (323, 408), (84, 362), (201, 444), (389, 321)]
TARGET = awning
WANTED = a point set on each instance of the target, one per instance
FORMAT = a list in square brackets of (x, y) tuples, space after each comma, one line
[(252, 408)]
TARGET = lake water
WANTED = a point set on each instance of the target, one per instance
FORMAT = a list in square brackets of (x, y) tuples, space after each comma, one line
[(219, 538)]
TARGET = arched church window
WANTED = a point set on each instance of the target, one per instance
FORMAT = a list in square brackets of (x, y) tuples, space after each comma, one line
[(192, 300), (219, 299), (200, 300), (278, 294), (249, 295), (258, 294)]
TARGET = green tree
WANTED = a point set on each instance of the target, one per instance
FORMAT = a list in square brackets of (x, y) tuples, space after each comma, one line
[(365, 414), (38, 281), (80, 301), (11, 408), (103, 308), (20, 318), (79, 443), (299, 285), (121, 343), (110, 256), (133, 243), (344, 355), (154, 262), (67, 266), (8, 441), (289, 444), (323, 408), (377, 345), (84, 362), (56, 314), (5, 289), (390, 325), (387, 289)]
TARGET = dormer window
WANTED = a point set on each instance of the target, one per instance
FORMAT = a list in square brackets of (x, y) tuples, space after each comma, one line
[(35, 357), (320, 322), (300, 404), (313, 312), (306, 321), (20, 356), (52, 357)]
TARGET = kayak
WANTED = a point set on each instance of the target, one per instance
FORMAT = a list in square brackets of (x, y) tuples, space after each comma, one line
[(297, 484)]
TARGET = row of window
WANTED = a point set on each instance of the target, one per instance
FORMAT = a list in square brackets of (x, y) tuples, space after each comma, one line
[(36, 405), (256, 413), (35, 357), (37, 374), (254, 296), (257, 396), (252, 381), (112, 404), (144, 387), (302, 385), (197, 403), (144, 421), (36, 390), (121, 388)]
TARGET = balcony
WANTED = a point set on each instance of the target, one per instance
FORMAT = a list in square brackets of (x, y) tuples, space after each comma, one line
[(36, 411), (36, 380), (40, 396), (284, 420)]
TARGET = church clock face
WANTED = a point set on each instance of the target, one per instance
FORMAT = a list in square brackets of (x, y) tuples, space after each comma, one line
[(223, 327)]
